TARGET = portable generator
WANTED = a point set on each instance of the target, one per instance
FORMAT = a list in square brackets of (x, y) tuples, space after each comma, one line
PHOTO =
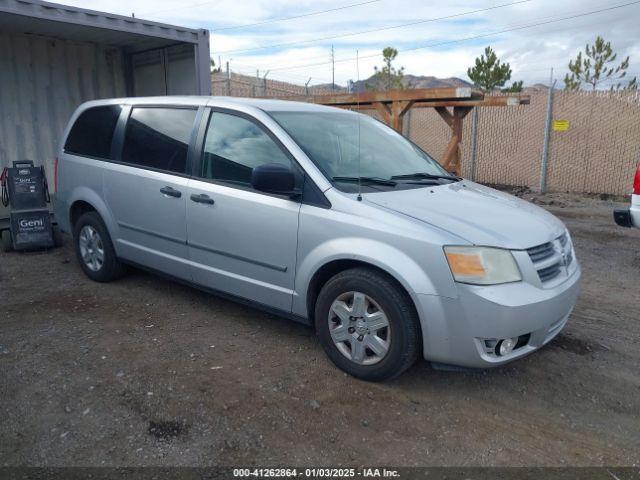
[(25, 192)]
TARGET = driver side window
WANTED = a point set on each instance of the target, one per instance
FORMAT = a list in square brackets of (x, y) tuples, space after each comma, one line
[(234, 146)]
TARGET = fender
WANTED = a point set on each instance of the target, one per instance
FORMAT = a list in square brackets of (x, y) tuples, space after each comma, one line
[(403, 268), (86, 194)]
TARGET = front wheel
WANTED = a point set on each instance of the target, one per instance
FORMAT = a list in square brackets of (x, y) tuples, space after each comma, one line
[(367, 324)]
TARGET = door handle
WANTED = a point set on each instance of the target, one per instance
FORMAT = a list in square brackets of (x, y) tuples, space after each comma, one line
[(202, 198), (171, 192)]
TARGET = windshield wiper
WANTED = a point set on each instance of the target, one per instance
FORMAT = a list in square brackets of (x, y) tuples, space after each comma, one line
[(426, 176), (375, 180)]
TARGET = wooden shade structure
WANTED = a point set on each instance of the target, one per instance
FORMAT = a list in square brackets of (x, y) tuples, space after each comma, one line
[(452, 104)]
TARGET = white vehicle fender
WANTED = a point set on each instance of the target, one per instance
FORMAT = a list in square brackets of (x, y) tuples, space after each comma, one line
[(393, 261), (88, 195)]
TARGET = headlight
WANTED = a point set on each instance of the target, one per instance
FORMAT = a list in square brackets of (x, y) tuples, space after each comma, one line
[(482, 265)]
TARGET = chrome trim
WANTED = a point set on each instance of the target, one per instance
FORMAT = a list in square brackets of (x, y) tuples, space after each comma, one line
[(279, 268), (152, 233), (549, 258)]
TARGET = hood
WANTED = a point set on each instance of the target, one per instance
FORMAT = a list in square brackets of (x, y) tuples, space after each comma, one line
[(478, 214)]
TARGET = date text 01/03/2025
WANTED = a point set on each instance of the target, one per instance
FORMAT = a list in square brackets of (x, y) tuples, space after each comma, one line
[(315, 472)]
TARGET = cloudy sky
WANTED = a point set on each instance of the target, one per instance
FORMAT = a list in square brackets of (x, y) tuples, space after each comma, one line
[(439, 37)]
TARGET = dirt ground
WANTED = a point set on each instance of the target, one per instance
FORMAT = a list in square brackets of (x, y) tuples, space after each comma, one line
[(144, 371)]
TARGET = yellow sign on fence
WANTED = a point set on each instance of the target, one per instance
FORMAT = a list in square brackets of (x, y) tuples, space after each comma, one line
[(560, 125)]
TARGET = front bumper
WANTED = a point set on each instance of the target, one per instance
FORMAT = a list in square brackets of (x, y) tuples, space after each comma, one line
[(460, 331), (622, 216), (629, 217)]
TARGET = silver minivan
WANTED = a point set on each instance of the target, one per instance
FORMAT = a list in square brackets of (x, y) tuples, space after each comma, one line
[(319, 214)]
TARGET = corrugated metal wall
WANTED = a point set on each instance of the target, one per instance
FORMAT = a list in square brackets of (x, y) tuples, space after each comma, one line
[(42, 80)]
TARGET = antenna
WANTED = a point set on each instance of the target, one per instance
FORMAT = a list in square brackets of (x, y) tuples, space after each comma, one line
[(359, 198)]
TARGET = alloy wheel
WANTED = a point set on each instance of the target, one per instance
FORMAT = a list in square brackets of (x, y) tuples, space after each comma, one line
[(91, 248)]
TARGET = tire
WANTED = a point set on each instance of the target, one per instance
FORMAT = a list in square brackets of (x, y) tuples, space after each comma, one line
[(7, 244), (383, 300), (94, 249)]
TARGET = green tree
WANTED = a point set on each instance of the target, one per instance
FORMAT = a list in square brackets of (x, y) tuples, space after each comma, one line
[(516, 87), (489, 73), (597, 66), (388, 77)]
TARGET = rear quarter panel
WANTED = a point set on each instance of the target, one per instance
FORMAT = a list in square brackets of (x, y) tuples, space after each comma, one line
[(80, 179)]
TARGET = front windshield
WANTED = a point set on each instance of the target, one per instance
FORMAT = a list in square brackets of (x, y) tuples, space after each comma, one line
[(331, 140)]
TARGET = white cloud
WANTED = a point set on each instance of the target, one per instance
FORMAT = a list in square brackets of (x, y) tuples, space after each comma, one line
[(531, 51)]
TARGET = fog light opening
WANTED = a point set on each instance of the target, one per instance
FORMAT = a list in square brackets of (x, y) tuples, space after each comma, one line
[(506, 346)]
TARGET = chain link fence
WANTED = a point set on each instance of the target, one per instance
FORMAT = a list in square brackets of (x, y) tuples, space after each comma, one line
[(595, 150), (239, 85), (598, 152)]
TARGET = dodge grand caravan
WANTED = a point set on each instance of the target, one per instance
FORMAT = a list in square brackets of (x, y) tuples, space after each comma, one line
[(323, 215)]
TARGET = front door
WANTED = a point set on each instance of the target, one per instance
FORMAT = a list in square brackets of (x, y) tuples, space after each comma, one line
[(241, 241), (147, 189)]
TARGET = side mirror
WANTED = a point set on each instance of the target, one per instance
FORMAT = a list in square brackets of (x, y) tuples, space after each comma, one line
[(274, 178)]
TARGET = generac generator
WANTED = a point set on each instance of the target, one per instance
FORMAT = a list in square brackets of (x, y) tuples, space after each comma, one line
[(25, 192)]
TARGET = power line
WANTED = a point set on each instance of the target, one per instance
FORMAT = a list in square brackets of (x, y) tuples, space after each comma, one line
[(474, 37), (290, 75), (296, 16), (362, 32), (264, 22), (181, 7), (513, 60), (315, 57)]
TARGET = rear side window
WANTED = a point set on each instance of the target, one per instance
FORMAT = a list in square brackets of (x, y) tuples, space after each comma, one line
[(92, 133), (158, 138)]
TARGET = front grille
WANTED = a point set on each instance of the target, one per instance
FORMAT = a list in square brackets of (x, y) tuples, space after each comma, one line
[(552, 257), (541, 252), (549, 273)]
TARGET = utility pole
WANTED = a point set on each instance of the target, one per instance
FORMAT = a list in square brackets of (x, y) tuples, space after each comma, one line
[(547, 136), (333, 69), (264, 80), (255, 87), (228, 80), (474, 143), (306, 87)]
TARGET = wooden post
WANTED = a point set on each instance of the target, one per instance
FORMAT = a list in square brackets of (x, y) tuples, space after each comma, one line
[(451, 157), (384, 111), (398, 109), (453, 104), (393, 114)]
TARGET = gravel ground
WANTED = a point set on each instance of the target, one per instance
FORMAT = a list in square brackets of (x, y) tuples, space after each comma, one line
[(144, 371)]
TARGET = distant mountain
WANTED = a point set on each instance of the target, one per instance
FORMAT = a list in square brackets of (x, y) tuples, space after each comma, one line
[(329, 88), (412, 81), (248, 86), (537, 87)]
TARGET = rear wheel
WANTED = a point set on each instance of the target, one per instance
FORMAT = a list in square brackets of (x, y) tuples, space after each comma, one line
[(367, 324), (94, 249)]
